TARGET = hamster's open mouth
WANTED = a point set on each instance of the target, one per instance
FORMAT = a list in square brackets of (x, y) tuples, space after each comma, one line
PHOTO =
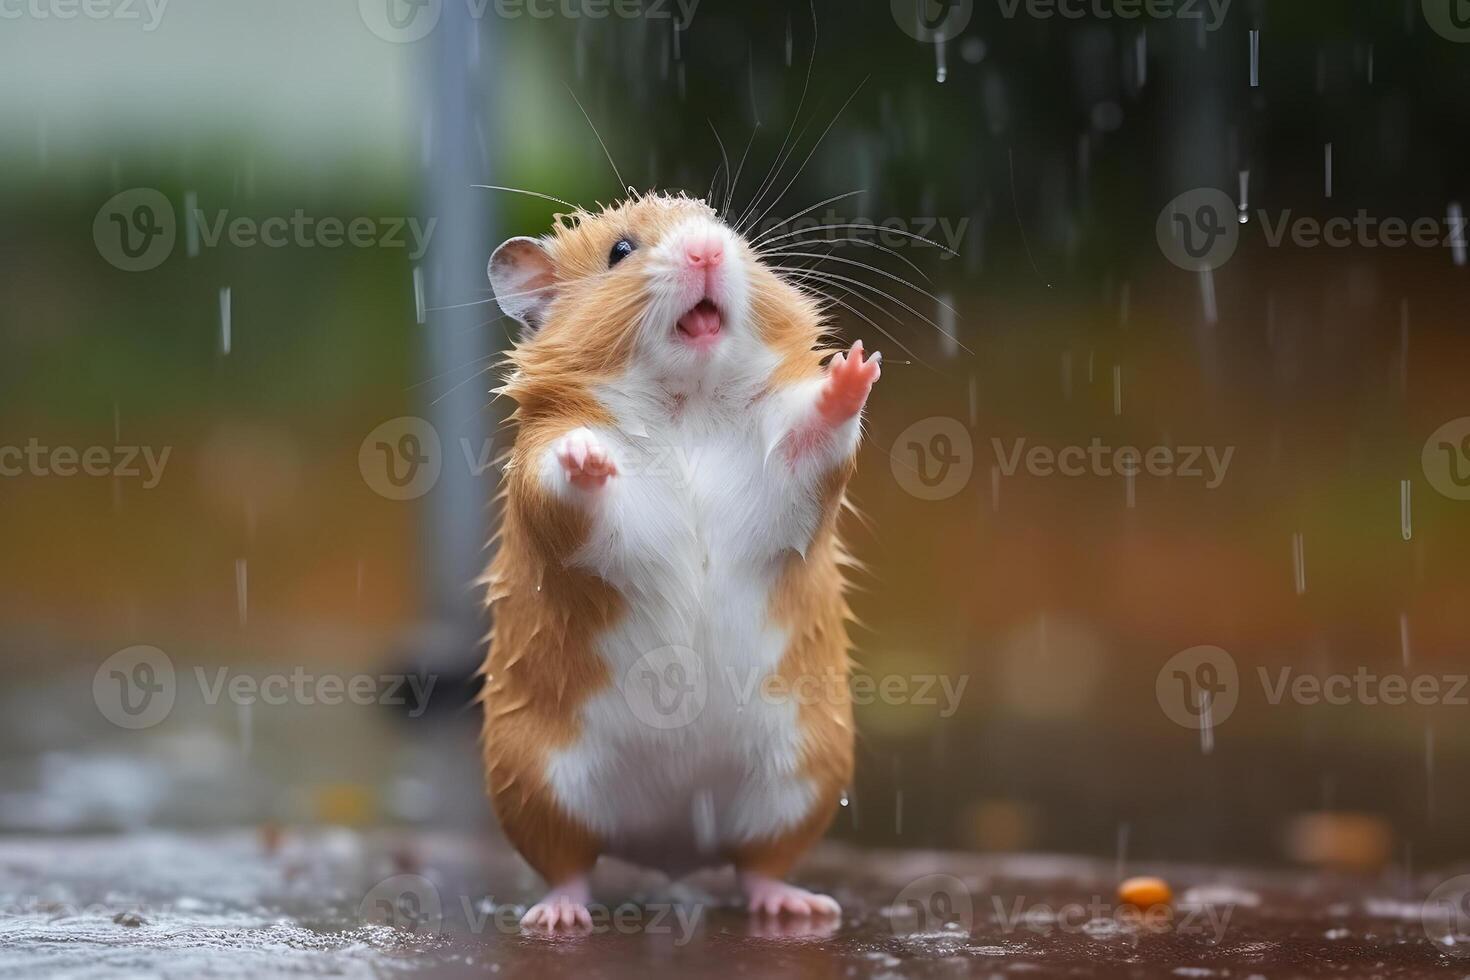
[(701, 325)]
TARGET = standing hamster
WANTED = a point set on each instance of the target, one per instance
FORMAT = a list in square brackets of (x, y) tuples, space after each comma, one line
[(667, 677)]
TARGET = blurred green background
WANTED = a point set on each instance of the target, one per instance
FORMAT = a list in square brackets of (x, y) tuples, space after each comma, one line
[(268, 545)]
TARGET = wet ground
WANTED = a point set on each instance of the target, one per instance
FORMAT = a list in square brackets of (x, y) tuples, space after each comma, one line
[(274, 902)]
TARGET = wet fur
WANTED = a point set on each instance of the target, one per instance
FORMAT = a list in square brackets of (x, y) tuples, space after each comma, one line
[(553, 603)]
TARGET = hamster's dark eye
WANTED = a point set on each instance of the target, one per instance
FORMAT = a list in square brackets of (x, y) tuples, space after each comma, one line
[(620, 251)]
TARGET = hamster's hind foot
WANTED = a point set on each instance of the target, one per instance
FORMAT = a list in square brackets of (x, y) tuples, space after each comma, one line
[(565, 906), (774, 897)]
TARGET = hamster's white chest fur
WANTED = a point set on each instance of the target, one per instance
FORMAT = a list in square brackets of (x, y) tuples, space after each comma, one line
[(683, 755)]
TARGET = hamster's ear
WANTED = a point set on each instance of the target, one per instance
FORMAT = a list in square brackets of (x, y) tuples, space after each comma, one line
[(524, 280)]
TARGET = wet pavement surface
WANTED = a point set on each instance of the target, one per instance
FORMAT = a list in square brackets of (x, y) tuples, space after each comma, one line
[(343, 903)]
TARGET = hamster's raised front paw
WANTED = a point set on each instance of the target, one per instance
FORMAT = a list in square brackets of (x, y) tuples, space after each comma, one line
[(773, 897), (584, 459), (849, 379)]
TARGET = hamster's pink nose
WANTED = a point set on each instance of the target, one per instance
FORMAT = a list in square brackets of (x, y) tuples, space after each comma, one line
[(704, 251)]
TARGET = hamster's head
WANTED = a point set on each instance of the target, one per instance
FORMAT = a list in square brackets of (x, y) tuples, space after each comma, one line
[(657, 284)]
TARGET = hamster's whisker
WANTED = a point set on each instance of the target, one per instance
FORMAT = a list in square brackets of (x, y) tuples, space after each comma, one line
[(781, 224), (739, 169), (832, 276), (724, 162), (871, 268), (813, 152), (867, 319), (616, 173), (870, 227), (453, 370), (522, 190), (484, 370), (807, 272), (858, 241), (795, 118)]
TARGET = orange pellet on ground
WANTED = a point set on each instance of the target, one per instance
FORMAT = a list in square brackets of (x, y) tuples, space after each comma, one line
[(1145, 893)]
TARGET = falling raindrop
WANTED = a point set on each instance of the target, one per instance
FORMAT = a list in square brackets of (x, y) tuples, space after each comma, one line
[(1117, 389), (1404, 345), (1327, 168), (1245, 197), (1404, 649), (790, 41), (1406, 518), (191, 226), (245, 716), (224, 321), (1429, 770), (1456, 219), (1299, 562), (949, 338), (242, 593), (1140, 58), (941, 66), (418, 295), (1206, 722), (1207, 296), (1370, 64), (1255, 58), (706, 836)]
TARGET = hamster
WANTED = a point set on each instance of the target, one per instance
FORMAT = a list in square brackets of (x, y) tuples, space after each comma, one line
[(667, 679)]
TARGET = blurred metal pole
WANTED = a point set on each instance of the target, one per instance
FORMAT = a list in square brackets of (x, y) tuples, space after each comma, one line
[(453, 340)]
